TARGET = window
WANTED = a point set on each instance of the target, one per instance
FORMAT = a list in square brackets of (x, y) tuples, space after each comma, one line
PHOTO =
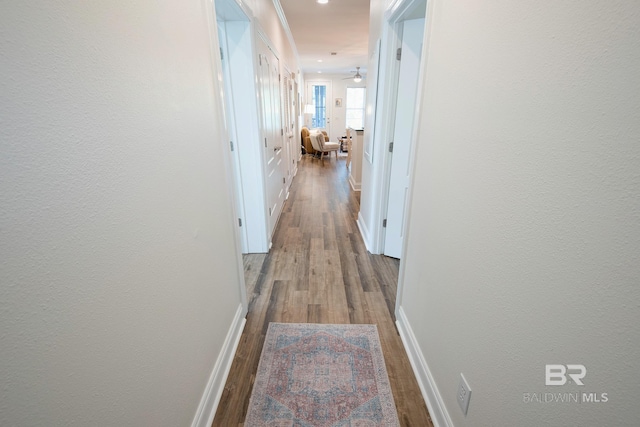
[(355, 107), (319, 100)]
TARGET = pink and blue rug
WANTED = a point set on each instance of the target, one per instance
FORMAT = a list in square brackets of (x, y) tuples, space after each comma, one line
[(321, 376)]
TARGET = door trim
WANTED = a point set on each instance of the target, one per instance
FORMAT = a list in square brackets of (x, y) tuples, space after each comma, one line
[(400, 156), (329, 94), (416, 131), (392, 40)]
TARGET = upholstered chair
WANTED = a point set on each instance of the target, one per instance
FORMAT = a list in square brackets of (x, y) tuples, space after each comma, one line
[(320, 144), (306, 141)]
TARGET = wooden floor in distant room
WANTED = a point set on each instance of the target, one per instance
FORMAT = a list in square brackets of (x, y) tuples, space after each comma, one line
[(318, 271)]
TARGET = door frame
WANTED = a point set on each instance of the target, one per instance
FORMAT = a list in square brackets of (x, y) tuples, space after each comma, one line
[(233, 134), (289, 123), (391, 40), (215, 44), (416, 131), (396, 156), (308, 96), (271, 132), (239, 72)]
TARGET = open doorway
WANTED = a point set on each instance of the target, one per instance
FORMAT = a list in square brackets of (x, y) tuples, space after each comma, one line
[(260, 94), (407, 31)]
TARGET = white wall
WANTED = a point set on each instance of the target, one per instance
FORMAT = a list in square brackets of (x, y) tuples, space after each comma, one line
[(118, 261), (524, 233)]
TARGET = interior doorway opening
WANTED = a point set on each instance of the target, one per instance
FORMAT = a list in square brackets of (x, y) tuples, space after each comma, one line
[(405, 25), (236, 37)]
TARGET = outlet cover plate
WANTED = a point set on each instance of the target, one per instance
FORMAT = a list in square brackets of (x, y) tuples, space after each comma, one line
[(464, 394)]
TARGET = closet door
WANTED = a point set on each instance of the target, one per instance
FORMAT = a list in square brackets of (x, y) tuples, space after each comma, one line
[(289, 120), (275, 170)]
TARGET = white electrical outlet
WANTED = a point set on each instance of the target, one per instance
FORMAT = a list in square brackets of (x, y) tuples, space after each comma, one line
[(464, 394)]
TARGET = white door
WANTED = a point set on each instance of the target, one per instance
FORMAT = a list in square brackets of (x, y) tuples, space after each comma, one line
[(319, 95), (288, 121), (400, 158), (233, 143), (272, 134)]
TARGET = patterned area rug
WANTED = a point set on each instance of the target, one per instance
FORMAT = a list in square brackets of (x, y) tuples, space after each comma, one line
[(321, 376)]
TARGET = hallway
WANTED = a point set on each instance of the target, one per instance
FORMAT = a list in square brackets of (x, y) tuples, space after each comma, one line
[(318, 271)]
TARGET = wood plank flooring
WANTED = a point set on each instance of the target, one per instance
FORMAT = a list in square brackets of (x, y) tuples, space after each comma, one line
[(319, 271)]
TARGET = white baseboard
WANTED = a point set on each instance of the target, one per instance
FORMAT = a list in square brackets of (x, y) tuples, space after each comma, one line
[(213, 391), (364, 232), (430, 393), (355, 186)]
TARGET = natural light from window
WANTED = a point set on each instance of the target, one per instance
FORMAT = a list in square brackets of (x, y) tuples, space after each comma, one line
[(355, 107), (319, 101)]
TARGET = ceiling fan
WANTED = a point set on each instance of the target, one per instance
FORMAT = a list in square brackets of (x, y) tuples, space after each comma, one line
[(357, 77)]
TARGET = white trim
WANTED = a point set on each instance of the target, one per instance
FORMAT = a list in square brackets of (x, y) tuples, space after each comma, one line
[(217, 94), (400, 8), (245, 9), (328, 83), (215, 386), (421, 83), (355, 186), (262, 34), (383, 125), (428, 387), (287, 30), (392, 37), (394, 10), (364, 232), (238, 193), (392, 69)]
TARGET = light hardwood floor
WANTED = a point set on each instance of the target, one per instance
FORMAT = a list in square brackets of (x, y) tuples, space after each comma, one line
[(318, 271)]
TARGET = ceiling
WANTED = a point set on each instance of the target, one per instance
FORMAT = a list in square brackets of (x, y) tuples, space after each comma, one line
[(340, 26)]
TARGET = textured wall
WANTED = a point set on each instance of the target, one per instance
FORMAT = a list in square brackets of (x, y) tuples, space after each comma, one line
[(118, 269), (524, 236)]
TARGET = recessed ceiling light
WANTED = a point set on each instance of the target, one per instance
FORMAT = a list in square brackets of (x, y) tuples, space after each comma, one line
[(323, 1), (319, 60)]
